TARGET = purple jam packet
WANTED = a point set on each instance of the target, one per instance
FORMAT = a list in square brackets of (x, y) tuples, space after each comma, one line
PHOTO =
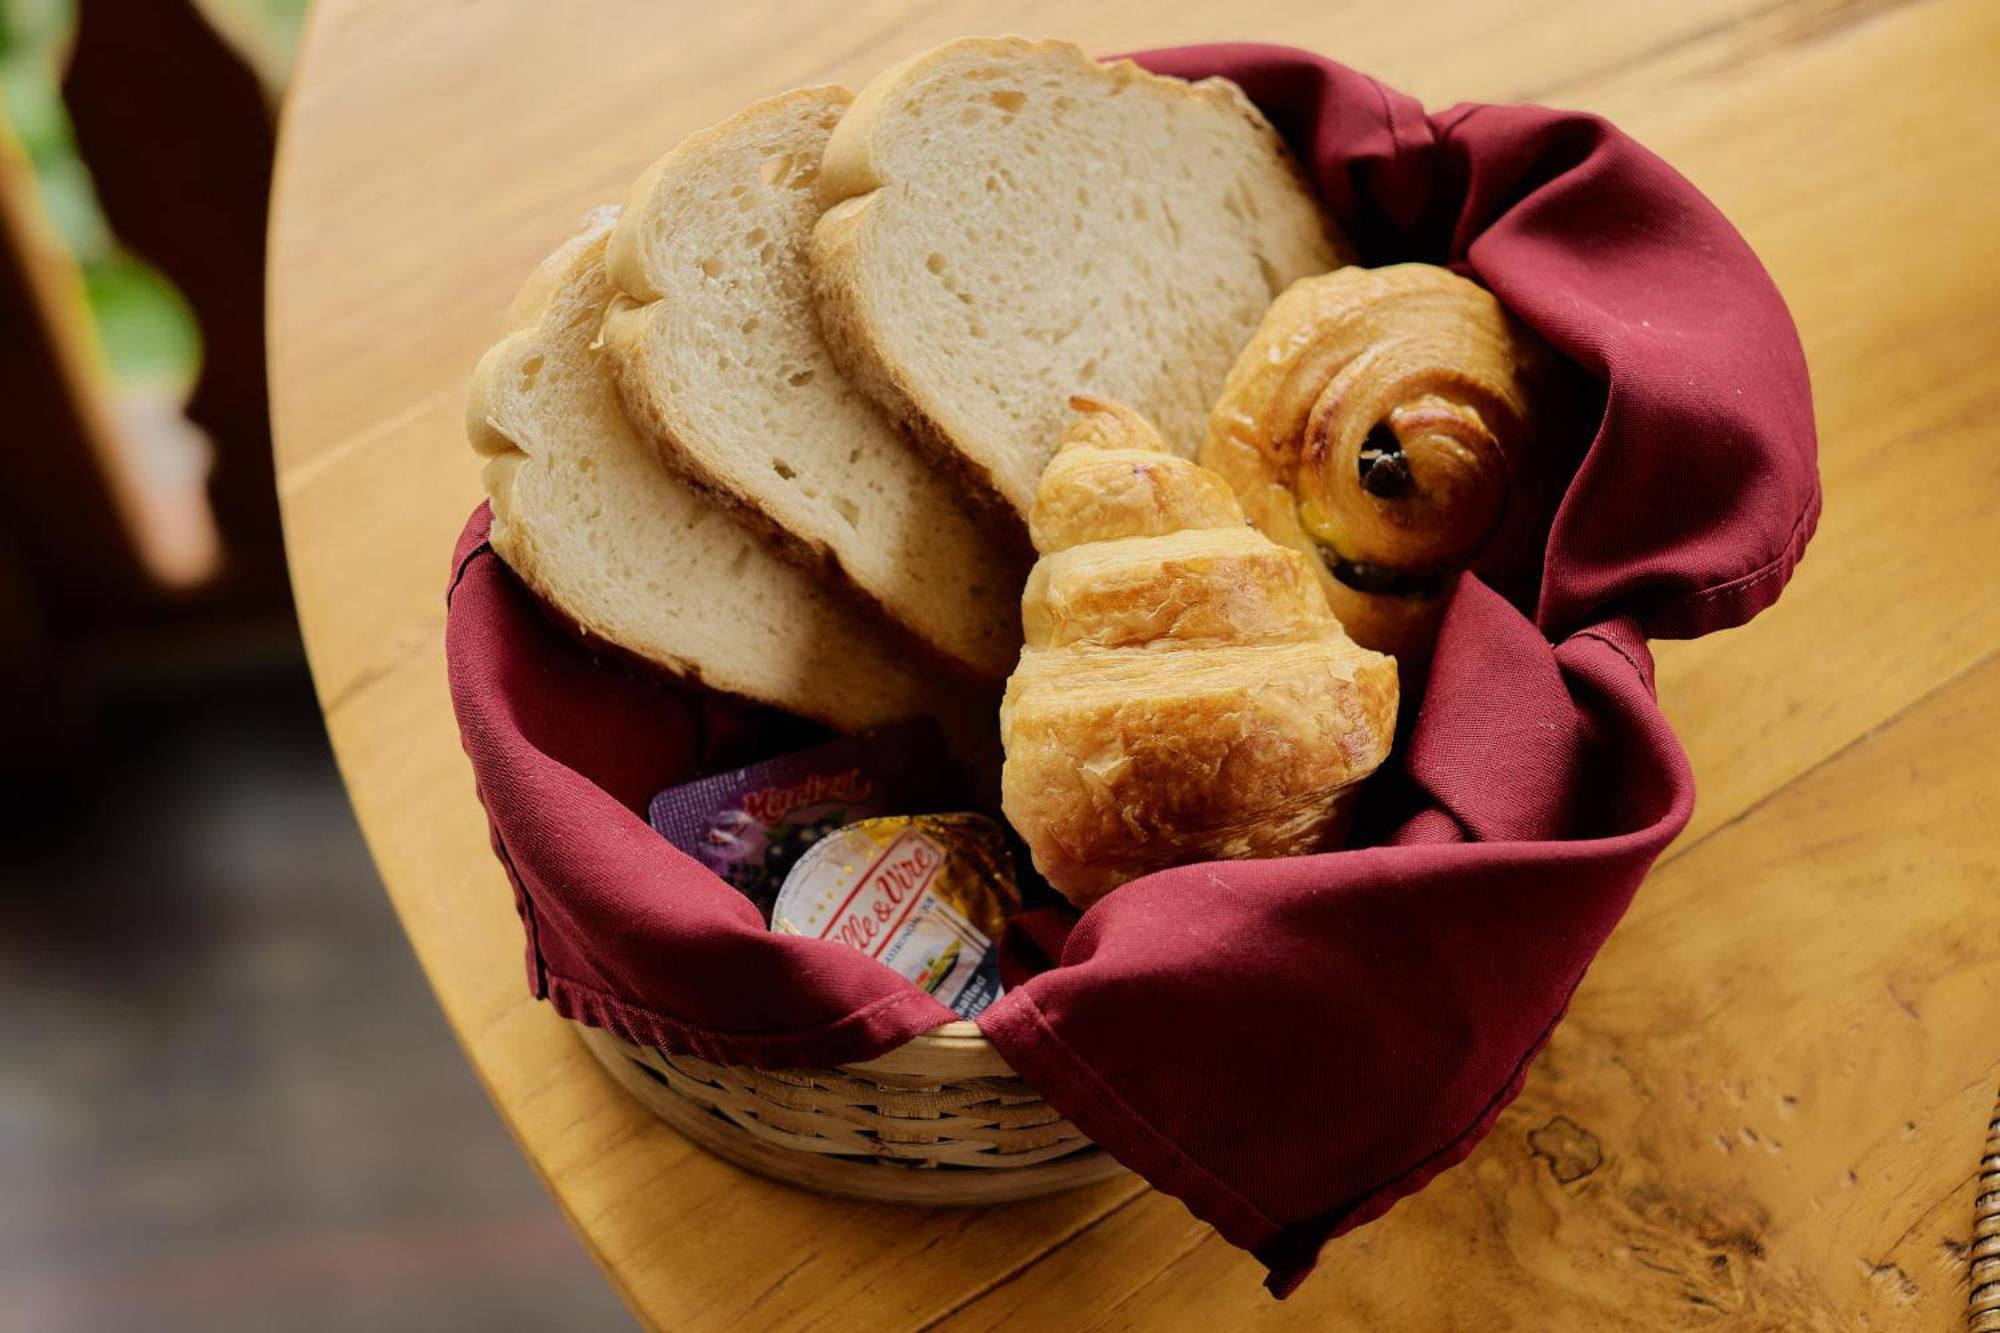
[(751, 825)]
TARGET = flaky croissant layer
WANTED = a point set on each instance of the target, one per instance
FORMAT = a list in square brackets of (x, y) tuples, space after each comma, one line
[(1185, 692)]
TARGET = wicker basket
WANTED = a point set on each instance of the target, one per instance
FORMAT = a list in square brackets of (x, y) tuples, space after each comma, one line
[(941, 1119), (1984, 1298)]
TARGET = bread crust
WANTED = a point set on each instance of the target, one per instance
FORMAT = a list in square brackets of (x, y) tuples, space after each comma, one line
[(514, 542), (629, 327), (844, 323), (851, 185), (543, 330)]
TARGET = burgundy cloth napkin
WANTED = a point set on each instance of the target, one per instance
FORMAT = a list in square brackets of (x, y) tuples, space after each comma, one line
[(1286, 1046)]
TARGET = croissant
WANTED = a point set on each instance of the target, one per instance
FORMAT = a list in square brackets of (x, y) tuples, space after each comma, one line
[(1185, 693), (1380, 421)]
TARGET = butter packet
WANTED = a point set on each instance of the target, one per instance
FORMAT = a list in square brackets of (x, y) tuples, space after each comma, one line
[(925, 895), (752, 824)]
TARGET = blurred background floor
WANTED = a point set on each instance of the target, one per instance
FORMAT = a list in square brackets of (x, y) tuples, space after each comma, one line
[(227, 1095), (227, 1099)]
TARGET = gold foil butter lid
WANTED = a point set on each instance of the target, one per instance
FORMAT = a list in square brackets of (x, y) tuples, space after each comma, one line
[(925, 895)]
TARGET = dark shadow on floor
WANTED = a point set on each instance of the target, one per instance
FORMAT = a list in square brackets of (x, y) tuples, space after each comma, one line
[(227, 1099)]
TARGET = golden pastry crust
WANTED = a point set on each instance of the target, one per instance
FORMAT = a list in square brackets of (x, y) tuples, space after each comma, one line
[(1185, 693), (1381, 420)]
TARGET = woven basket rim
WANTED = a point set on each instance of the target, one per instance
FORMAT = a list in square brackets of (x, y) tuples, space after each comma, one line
[(953, 1050), (914, 1140)]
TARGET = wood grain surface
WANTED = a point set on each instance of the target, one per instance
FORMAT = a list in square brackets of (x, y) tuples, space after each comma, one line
[(1768, 1106)]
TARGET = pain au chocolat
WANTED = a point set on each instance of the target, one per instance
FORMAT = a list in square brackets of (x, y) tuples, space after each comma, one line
[(1383, 422)]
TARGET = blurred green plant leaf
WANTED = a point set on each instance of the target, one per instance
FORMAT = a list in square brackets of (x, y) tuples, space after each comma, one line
[(150, 336), (147, 333)]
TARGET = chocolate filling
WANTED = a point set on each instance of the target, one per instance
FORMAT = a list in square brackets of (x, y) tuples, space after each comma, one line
[(1381, 580), (1384, 467)]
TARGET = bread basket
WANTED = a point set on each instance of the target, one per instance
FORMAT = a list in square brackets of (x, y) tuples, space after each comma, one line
[(1199, 1022), (942, 1119), (938, 1117)]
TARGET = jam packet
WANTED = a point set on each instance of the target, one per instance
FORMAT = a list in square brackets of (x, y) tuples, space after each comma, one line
[(926, 895), (751, 825)]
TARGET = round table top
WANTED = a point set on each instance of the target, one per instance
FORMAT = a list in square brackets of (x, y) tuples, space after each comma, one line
[(1770, 1096)]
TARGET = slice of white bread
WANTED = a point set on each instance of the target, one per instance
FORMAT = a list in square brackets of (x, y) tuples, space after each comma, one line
[(1011, 223), (629, 554), (720, 361)]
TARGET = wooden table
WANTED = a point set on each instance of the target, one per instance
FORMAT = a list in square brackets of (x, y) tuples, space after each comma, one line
[(1767, 1107)]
